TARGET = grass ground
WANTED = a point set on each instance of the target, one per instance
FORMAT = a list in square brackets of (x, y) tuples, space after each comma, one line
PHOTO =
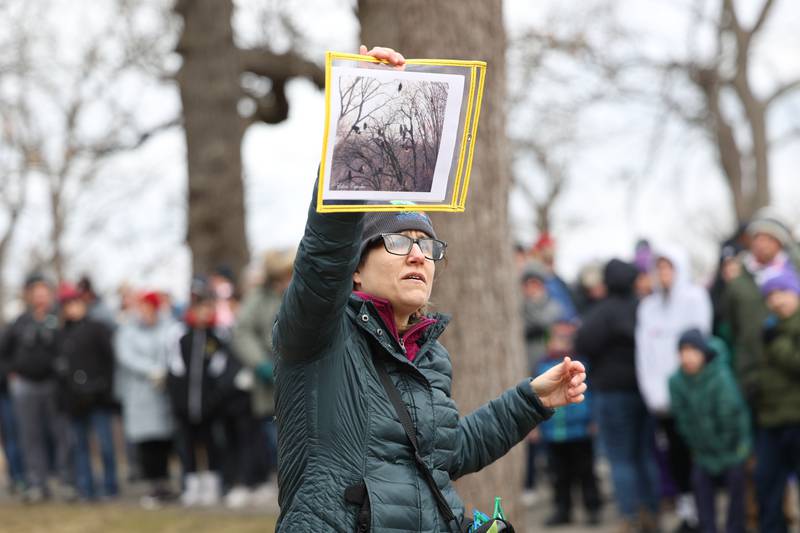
[(126, 518)]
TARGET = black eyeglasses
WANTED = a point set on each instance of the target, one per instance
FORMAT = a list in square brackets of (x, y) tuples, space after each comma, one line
[(399, 244)]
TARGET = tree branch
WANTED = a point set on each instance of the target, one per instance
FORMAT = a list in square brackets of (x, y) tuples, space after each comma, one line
[(273, 107), (762, 17), (281, 66), (782, 91), (101, 150)]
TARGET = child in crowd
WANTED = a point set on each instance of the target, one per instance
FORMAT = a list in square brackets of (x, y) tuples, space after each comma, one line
[(712, 417), (777, 406), (568, 436), (201, 382)]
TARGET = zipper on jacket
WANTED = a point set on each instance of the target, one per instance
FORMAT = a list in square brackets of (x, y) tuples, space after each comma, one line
[(196, 376)]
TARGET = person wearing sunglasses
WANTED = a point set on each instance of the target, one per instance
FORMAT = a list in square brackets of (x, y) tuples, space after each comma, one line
[(356, 452)]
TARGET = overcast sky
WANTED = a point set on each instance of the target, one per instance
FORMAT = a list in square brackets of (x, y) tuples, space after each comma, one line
[(682, 194)]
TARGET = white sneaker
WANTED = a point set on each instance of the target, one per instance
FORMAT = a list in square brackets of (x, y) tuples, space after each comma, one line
[(191, 493), (238, 498), (265, 495), (210, 489), (529, 497)]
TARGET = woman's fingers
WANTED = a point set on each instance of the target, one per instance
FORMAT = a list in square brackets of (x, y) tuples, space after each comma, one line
[(577, 379), (578, 390), (387, 54)]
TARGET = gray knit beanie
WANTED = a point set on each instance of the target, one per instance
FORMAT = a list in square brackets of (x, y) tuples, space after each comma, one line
[(393, 222), (766, 221)]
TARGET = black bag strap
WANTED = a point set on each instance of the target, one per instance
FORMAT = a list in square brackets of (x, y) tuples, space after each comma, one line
[(411, 433)]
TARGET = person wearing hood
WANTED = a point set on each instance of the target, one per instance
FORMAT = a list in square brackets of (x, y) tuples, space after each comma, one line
[(626, 430), (675, 306), (711, 416)]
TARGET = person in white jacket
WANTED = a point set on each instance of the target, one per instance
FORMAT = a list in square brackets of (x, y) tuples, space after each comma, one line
[(675, 306)]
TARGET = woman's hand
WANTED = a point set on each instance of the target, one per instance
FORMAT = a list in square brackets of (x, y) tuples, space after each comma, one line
[(561, 385), (395, 59)]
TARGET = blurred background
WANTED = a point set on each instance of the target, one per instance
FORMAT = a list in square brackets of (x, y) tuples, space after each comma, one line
[(146, 144)]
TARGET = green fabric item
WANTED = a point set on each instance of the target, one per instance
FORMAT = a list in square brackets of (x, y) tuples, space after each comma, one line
[(778, 403), (265, 371), (252, 341), (744, 312), (711, 415), (337, 426)]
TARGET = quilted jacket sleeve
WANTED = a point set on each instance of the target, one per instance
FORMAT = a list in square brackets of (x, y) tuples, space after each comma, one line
[(313, 306), (489, 432)]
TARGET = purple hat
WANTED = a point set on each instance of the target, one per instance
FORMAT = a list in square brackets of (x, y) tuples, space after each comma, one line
[(644, 256), (785, 280)]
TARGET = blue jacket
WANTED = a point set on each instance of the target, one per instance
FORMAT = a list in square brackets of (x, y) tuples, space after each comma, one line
[(569, 423)]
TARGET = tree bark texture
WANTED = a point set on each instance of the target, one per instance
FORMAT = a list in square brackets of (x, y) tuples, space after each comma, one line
[(210, 91), (479, 282)]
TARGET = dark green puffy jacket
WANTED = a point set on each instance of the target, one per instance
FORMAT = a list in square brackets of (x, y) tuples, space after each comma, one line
[(336, 426), (711, 415)]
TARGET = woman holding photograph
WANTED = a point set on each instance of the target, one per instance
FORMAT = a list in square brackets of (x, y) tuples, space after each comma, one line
[(359, 363)]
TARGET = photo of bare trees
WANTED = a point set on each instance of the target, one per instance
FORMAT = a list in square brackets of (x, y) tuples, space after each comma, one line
[(388, 133)]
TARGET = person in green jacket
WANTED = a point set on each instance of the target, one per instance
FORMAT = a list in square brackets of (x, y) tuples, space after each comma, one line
[(778, 405), (712, 417), (356, 302), (252, 339)]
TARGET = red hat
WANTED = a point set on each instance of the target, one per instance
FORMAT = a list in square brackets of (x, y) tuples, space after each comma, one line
[(545, 241), (68, 292), (152, 298)]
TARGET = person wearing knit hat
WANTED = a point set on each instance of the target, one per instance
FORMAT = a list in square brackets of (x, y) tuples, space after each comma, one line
[(377, 224), (252, 341), (743, 309), (356, 354), (785, 280), (763, 304), (711, 416), (777, 407)]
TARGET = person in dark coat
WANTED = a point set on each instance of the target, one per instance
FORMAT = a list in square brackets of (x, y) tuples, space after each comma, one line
[(28, 352), (9, 435), (85, 367), (356, 305), (626, 429), (202, 390)]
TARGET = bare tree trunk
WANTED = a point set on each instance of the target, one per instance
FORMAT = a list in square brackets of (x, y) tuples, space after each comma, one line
[(210, 92), (485, 339), (57, 235)]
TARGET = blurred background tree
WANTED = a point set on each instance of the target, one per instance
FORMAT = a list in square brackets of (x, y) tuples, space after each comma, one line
[(224, 89)]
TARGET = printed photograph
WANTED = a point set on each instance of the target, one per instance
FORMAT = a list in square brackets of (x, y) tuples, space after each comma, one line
[(392, 132)]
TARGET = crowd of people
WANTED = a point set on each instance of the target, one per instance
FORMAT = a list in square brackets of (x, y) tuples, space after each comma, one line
[(692, 389), (190, 387)]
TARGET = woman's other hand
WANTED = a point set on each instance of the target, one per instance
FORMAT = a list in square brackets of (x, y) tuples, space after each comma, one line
[(395, 59), (561, 385)]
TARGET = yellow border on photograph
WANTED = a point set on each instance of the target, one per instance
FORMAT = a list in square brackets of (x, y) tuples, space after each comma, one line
[(462, 174)]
